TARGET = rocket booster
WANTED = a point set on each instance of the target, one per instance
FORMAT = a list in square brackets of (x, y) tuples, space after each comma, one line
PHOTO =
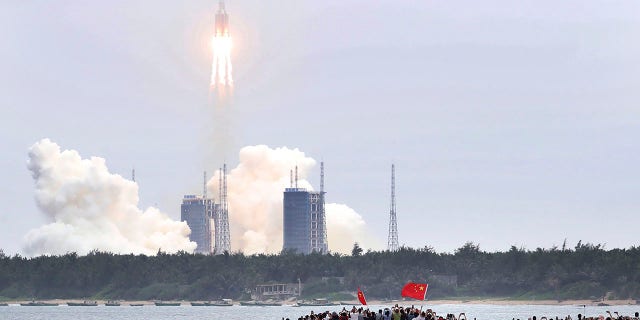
[(222, 21)]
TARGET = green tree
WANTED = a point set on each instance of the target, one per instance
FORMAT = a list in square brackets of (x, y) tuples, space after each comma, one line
[(357, 250)]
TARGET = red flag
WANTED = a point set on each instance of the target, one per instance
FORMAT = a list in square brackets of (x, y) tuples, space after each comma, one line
[(361, 297), (415, 290)]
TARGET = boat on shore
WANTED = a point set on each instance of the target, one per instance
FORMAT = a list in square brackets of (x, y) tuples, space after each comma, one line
[(38, 304), (136, 304), (112, 303), (317, 303), (219, 303), (260, 304), (4, 304), (83, 304), (167, 304)]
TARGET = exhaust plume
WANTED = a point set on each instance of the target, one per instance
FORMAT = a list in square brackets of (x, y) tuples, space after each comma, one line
[(255, 193), (221, 68), (93, 209)]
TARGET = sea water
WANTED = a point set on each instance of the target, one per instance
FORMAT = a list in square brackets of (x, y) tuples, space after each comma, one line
[(126, 312)]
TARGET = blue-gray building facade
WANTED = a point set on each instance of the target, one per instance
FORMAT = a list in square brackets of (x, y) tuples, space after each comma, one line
[(197, 212), (304, 224)]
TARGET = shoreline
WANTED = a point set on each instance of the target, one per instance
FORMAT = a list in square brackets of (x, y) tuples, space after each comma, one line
[(471, 301), (502, 301)]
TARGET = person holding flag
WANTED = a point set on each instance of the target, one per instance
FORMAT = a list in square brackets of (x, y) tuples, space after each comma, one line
[(361, 297), (416, 291)]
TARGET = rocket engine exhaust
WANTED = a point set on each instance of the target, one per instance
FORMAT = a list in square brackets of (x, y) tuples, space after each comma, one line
[(221, 68)]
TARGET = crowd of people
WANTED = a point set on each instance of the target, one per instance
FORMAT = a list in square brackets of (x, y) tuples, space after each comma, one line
[(609, 316), (413, 313), (395, 313)]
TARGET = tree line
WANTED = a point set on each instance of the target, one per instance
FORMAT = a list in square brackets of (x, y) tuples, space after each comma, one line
[(586, 271)]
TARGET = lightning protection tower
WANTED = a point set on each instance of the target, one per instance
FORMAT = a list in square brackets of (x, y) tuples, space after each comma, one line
[(392, 244), (223, 242)]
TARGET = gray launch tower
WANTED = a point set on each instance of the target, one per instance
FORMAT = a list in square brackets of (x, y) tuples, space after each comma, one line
[(208, 220), (304, 218), (197, 212), (392, 244), (221, 216)]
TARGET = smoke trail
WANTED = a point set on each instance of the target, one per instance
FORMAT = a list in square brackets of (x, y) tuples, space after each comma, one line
[(255, 193), (93, 209)]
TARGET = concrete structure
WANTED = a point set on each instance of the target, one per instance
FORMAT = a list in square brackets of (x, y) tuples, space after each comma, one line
[(208, 220), (276, 291), (197, 212), (297, 220), (304, 218)]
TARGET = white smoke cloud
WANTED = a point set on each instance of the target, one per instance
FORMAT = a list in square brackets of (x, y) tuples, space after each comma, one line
[(93, 209), (344, 227), (255, 193)]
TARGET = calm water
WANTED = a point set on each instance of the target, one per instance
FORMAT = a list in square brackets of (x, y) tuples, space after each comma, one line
[(484, 312)]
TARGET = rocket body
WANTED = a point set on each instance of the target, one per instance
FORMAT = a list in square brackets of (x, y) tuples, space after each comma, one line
[(222, 21), (221, 69)]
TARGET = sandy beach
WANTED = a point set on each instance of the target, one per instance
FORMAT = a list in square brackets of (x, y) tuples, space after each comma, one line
[(492, 301), (500, 301)]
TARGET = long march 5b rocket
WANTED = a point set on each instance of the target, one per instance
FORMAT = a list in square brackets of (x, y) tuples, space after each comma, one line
[(221, 69), (222, 21)]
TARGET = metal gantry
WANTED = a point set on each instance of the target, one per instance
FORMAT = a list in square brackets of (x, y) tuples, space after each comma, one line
[(323, 213), (392, 243), (318, 233)]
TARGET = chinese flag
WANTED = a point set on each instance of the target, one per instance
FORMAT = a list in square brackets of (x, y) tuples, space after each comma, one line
[(415, 290), (361, 297)]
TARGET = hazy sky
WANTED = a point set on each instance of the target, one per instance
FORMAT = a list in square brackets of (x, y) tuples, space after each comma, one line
[(510, 122)]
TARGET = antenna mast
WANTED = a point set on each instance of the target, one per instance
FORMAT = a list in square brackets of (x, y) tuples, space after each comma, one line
[(296, 177), (220, 186), (204, 186), (224, 186), (392, 244), (322, 176), (133, 174)]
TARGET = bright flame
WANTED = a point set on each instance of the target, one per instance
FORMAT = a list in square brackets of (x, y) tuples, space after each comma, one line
[(221, 68)]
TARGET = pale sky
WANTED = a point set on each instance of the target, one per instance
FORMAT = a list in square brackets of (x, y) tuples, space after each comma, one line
[(510, 122)]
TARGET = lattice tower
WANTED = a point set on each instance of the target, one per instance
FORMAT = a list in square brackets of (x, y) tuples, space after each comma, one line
[(223, 239), (392, 244)]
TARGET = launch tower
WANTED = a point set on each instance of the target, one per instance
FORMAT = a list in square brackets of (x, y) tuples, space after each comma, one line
[(392, 244), (221, 216), (197, 212), (304, 218)]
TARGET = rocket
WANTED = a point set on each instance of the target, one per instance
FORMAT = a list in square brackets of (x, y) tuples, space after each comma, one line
[(222, 21), (221, 44)]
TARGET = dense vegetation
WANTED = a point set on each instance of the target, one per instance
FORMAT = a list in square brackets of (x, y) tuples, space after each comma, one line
[(586, 271)]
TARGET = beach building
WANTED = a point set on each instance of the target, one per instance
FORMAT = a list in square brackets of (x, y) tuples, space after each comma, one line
[(276, 291)]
